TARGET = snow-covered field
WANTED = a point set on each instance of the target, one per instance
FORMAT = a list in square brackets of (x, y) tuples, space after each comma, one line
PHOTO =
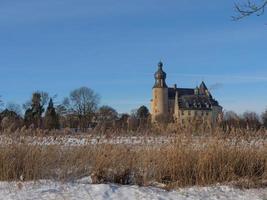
[(83, 140), (84, 189), (79, 190)]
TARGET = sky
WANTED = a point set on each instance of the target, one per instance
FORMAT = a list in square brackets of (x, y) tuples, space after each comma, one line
[(114, 46)]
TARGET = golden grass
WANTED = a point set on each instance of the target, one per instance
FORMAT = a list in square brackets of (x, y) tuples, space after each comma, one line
[(175, 164)]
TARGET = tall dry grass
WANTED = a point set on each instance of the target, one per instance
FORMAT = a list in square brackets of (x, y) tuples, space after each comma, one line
[(176, 164)]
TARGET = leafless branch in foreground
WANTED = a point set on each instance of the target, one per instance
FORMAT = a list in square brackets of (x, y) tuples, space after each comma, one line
[(249, 8)]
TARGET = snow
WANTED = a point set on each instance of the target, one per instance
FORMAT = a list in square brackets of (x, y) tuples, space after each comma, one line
[(84, 140), (82, 189)]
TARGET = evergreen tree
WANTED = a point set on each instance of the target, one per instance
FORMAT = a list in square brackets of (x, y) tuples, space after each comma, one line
[(142, 112), (142, 115), (51, 117), (33, 115), (106, 113)]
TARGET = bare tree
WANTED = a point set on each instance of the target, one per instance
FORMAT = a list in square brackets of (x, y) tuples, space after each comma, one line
[(230, 115), (83, 103), (264, 118), (231, 120), (252, 120), (64, 108), (14, 107), (249, 8), (1, 102), (107, 113)]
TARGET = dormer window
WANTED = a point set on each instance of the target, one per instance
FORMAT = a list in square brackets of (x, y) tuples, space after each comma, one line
[(187, 104)]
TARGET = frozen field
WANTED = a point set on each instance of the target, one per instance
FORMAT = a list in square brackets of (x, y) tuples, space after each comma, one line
[(48, 190), (84, 189), (83, 140), (80, 140)]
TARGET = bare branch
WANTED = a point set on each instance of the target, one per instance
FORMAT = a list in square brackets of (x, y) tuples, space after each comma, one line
[(249, 8), (1, 101)]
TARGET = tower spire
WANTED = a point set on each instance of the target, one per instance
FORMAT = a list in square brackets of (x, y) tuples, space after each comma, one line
[(160, 65), (160, 77)]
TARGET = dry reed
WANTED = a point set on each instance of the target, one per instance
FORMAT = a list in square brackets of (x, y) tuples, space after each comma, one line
[(176, 164)]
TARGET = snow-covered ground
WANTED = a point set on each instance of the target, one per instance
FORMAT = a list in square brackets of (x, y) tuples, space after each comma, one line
[(83, 140), (84, 190)]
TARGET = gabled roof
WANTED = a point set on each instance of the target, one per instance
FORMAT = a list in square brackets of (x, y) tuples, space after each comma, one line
[(202, 88), (197, 102), (181, 92), (189, 100)]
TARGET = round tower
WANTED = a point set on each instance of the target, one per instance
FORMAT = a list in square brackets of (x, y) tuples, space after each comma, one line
[(159, 104)]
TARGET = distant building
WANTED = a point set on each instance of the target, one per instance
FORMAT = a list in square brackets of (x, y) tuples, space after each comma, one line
[(182, 104)]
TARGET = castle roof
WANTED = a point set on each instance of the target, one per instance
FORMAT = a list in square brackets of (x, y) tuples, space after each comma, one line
[(189, 99), (181, 92), (196, 102), (203, 88)]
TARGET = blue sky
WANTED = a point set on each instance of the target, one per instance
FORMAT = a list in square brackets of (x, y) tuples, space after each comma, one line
[(113, 47)]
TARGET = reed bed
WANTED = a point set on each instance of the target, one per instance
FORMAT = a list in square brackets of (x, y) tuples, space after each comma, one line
[(177, 164)]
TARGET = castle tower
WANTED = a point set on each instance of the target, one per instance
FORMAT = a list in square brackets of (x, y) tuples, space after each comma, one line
[(159, 103)]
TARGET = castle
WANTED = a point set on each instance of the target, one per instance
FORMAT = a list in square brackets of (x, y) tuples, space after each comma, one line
[(182, 105)]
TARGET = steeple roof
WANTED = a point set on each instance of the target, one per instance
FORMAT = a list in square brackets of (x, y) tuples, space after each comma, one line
[(202, 88), (50, 104), (160, 77), (160, 74)]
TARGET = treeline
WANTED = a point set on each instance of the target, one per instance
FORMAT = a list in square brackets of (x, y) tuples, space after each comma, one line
[(247, 120), (80, 111)]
